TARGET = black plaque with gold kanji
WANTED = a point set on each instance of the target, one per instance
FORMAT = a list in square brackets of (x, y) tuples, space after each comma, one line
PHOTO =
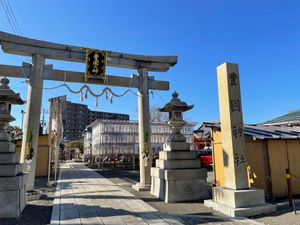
[(95, 65)]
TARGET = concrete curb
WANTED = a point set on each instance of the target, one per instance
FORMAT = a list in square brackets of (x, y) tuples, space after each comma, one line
[(234, 219), (284, 204)]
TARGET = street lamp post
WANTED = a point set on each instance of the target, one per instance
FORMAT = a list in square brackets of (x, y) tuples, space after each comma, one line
[(23, 112)]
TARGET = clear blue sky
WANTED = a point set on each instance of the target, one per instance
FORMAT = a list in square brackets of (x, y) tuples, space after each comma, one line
[(263, 37)]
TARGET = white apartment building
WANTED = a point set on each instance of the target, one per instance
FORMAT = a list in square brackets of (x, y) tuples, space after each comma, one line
[(121, 137)]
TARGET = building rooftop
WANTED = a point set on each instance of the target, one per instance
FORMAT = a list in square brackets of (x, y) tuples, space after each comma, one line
[(291, 118), (261, 131), (97, 121)]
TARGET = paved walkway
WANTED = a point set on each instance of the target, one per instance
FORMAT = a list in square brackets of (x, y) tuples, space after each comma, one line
[(85, 197)]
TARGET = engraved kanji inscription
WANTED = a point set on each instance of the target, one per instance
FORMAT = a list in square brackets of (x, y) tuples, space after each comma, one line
[(233, 79), (235, 106)]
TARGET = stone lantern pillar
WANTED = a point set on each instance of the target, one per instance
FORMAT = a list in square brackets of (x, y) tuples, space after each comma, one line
[(178, 175), (12, 178)]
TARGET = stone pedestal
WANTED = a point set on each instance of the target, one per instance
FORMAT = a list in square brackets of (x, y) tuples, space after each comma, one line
[(12, 182), (239, 203), (178, 176), (141, 187), (235, 198)]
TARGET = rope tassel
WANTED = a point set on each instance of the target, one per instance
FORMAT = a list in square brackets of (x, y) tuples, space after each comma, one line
[(152, 94), (96, 103), (81, 98), (106, 95)]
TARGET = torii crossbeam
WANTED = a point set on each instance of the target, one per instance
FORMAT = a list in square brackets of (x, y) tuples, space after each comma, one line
[(38, 71)]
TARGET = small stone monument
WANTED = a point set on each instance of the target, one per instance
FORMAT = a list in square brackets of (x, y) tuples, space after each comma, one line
[(235, 198), (12, 178), (178, 176)]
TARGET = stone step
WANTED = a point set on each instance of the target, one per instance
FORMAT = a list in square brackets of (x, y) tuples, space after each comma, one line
[(238, 198), (168, 155), (175, 146), (240, 212), (13, 183), (178, 164), (8, 158), (183, 174), (10, 170), (12, 202), (7, 147)]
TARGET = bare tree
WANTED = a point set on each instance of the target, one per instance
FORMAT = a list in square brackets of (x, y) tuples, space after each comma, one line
[(15, 132), (157, 116)]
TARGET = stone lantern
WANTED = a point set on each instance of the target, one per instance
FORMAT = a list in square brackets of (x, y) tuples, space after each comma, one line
[(178, 175), (7, 98), (12, 178), (175, 108)]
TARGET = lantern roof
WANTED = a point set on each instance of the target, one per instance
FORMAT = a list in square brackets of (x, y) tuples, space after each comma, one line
[(7, 94), (176, 105)]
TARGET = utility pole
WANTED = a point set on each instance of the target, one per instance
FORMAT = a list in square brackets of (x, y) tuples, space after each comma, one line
[(43, 124), (23, 112)]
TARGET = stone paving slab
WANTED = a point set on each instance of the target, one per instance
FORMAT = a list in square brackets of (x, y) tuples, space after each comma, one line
[(85, 197)]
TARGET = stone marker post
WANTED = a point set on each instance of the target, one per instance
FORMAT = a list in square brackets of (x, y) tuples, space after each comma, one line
[(233, 140), (235, 198)]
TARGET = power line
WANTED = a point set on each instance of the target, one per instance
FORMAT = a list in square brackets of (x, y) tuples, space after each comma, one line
[(11, 17), (8, 17), (14, 17)]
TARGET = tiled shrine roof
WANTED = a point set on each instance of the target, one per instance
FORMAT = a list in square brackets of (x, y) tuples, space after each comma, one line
[(261, 131)]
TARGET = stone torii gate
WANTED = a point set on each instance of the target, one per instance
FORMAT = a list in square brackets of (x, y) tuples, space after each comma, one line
[(38, 71)]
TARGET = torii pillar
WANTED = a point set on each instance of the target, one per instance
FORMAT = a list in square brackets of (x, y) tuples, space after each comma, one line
[(235, 198), (145, 155), (32, 118)]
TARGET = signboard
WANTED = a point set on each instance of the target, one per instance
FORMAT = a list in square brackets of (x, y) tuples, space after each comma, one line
[(95, 65)]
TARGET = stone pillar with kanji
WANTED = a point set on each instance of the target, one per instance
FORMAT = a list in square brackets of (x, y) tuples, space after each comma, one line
[(231, 117), (235, 198)]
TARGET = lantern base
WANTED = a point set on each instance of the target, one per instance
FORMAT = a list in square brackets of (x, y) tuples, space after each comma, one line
[(179, 185), (178, 176), (141, 187), (4, 136), (7, 147), (12, 195), (176, 146)]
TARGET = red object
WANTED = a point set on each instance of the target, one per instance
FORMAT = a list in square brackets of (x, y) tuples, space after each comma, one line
[(206, 160), (205, 156)]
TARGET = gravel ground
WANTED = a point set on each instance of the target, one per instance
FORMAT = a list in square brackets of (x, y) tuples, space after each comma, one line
[(193, 212), (283, 216), (125, 178), (36, 212)]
